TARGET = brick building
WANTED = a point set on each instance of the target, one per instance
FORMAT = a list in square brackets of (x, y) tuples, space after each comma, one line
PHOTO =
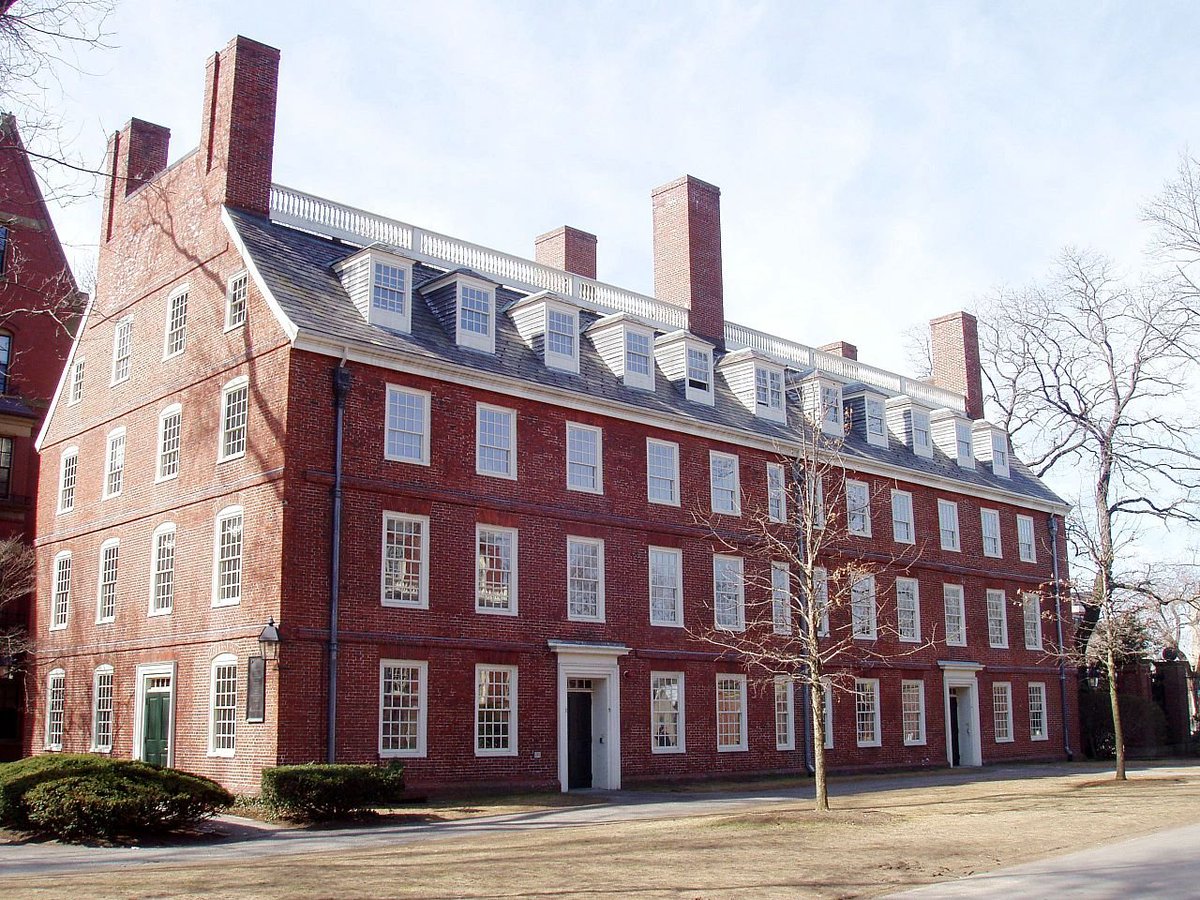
[(478, 473), (39, 303)]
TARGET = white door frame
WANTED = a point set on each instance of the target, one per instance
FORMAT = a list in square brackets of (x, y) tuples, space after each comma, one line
[(957, 674), (599, 662), (151, 670)]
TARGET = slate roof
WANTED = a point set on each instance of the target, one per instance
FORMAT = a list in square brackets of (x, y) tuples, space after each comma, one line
[(297, 268)]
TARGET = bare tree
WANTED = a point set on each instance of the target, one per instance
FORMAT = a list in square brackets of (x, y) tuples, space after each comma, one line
[(17, 575)]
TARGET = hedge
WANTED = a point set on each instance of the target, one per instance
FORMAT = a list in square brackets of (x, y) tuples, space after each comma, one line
[(328, 791)]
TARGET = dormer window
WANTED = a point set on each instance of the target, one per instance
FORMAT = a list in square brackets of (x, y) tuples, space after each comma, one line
[(686, 360), (699, 383), (768, 391), (1000, 454), (875, 428), (562, 339), (962, 435), (831, 410), (921, 440), (378, 282), (639, 361), (476, 319), (390, 296)]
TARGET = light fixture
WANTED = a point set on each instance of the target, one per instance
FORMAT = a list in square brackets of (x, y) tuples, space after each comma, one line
[(1093, 676), (268, 640), (8, 665)]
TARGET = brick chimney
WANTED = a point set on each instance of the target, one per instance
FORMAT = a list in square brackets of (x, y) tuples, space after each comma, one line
[(687, 253), (954, 342), (841, 348), (237, 132), (568, 249), (136, 154)]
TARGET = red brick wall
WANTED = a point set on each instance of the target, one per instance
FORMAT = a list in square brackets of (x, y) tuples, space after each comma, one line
[(954, 342), (687, 253), (569, 249)]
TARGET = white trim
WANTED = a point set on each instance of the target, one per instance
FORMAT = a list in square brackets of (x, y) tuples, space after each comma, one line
[(1031, 600), (916, 594), (513, 572), (675, 491), (55, 673), (81, 364), (165, 414), (677, 554), (559, 361), (423, 587), (919, 740), (233, 384), (873, 633), (789, 684), (1032, 557), (243, 273), (126, 319), (681, 726), (229, 512), (59, 557), (946, 509), (877, 741), (782, 493), (422, 667), (600, 663), (426, 424), (911, 521), (473, 340), (103, 669), (289, 327), (72, 450), (956, 674), (993, 515), (996, 594), (183, 290), (151, 670), (960, 592), (743, 727), (162, 529), (1004, 688), (740, 624), (386, 318), (637, 379), (109, 456), (223, 660), (511, 749), (111, 542), (599, 545), (1044, 734), (736, 508), (65, 375), (511, 474), (865, 531), (599, 434)]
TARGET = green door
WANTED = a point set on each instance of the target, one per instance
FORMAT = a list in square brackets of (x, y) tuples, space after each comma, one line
[(154, 732)]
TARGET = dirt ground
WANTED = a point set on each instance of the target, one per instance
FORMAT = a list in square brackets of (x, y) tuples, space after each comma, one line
[(869, 844)]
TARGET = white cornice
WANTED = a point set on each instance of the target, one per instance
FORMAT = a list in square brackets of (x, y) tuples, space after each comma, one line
[(289, 327)]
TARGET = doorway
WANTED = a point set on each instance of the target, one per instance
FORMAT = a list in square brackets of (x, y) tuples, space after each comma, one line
[(589, 714), (154, 715), (961, 709), (579, 733), (955, 739)]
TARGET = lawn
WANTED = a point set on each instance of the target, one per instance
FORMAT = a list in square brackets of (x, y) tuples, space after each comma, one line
[(871, 843)]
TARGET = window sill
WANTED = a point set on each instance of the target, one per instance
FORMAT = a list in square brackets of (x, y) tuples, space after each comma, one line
[(159, 479), (584, 490), (405, 459), (998, 646), (505, 475), (58, 627), (667, 751), (221, 604), (1044, 737), (495, 612), (674, 503), (231, 457), (654, 624), (484, 754), (220, 754), (920, 743), (402, 754), (868, 744), (1004, 740), (155, 613), (909, 640), (105, 621), (403, 604), (741, 749)]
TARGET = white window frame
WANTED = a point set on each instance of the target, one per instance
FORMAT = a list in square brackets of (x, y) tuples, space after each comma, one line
[(781, 598), (821, 585), (957, 594), (739, 624), (852, 487), (75, 392), (1002, 688), (227, 514), (511, 749), (110, 544), (562, 361), (735, 507), (228, 390), (876, 421), (56, 714), (513, 580), (598, 544), (964, 440), (861, 591), (785, 704), (696, 393), (163, 529), (776, 492), (597, 486), (681, 717), (833, 416), (421, 748), (225, 660), (997, 615), (380, 315), (96, 745), (922, 425), (992, 516), (674, 501), (60, 590), (511, 472), (114, 463), (422, 601), (640, 380), (902, 515), (474, 340), (230, 290), (817, 503), (775, 409), (123, 326), (873, 685), (395, 390), (175, 409), (181, 292), (949, 530), (742, 745), (913, 588), (1026, 522), (1032, 603), (1042, 734), (677, 555), (919, 686), (69, 454), (1000, 456), (827, 690)]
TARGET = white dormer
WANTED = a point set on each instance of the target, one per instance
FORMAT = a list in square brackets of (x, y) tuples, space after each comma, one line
[(758, 383), (476, 314), (909, 423), (868, 415), (379, 283), (952, 435), (991, 446), (626, 344), (685, 358), (823, 404), (550, 324)]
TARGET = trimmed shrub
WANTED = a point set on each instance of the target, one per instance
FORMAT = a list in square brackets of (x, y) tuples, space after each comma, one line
[(17, 778), (316, 792)]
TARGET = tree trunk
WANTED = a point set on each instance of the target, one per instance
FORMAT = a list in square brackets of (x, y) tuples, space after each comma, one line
[(1118, 732), (817, 696)]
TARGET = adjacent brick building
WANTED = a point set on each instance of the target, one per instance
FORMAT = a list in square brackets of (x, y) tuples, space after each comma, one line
[(502, 461)]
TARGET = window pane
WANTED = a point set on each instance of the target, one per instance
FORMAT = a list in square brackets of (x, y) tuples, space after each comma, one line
[(103, 712), (730, 711), (402, 554), (866, 711), (476, 309), (662, 472), (235, 313), (400, 709), (637, 353), (493, 709), (177, 324), (233, 433), (388, 288), (583, 458), (727, 592), (664, 587), (229, 559), (164, 571), (584, 595), (170, 430), (560, 333), (699, 370), (224, 709), (665, 711), (495, 441), (495, 570), (107, 602), (406, 418)]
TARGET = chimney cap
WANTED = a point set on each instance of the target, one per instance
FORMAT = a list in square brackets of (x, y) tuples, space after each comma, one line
[(686, 179)]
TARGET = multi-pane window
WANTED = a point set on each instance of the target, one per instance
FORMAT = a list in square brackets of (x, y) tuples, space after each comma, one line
[(768, 389), (962, 437), (76, 382), (236, 298), (495, 710), (1002, 711), (67, 472), (406, 433), (60, 601), (56, 704), (475, 309), (1000, 453), (662, 472), (997, 616), (875, 426), (858, 508), (920, 430), (405, 561), (821, 589), (6, 465), (5, 345), (223, 725), (902, 517), (162, 570), (584, 465), (729, 600), (170, 436), (106, 594), (948, 524), (114, 463), (638, 361), (1025, 545), (1037, 712), (863, 608), (827, 703), (912, 711), (227, 575), (785, 725), (495, 441), (723, 483), (666, 586), (389, 289), (908, 609), (666, 712), (496, 570), (990, 520), (699, 370), (176, 337), (776, 493), (1031, 607), (585, 579), (403, 687), (731, 712), (235, 409), (102, 710), (866, 711), (814, 497), (831, 409), (122, 349), (560, 333), (781, 598), (956, 625)]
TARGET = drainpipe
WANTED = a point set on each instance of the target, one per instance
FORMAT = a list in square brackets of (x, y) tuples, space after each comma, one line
[(341, 387), (1062, 664)]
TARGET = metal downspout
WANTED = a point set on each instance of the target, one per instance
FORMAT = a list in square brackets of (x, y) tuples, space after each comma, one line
[(1062, 664), (341, 388)]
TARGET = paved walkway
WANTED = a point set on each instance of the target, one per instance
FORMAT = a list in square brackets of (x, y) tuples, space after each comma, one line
[(238, 839)]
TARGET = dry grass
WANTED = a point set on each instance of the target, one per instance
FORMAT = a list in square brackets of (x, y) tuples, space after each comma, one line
[(870, 844)]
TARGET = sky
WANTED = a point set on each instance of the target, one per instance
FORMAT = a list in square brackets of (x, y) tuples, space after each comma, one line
[(880, 164)]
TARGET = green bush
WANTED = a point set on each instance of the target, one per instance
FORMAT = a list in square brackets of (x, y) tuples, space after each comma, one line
[(18, 778), (316, 792)]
